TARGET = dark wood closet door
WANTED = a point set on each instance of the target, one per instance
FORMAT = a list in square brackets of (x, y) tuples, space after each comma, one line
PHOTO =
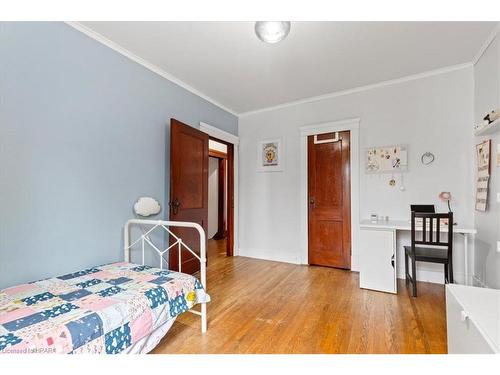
[(188, 190), (329, 188)]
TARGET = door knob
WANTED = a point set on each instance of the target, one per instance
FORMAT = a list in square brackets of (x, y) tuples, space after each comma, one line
[(311, 201), (175, 206)]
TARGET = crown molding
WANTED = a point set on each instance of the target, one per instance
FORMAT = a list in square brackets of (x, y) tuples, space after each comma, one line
[(335, 94), (123, 51), (486, 43)]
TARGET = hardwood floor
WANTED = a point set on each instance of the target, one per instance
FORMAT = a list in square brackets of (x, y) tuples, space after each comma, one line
[(270, 307)]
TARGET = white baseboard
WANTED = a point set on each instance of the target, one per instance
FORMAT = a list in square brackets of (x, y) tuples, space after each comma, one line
[(293, 257), (434, 276), (427, 276), (277, 256), (272, 255), (476, 281)]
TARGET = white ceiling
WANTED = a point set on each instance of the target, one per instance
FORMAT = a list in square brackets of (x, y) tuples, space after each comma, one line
[(227, 63)]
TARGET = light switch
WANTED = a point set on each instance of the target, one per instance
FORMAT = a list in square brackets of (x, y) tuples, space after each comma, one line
[(498, 246), (498, 197)]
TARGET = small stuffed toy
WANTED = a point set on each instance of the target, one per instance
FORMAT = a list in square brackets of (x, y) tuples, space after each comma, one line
[(492, 116)]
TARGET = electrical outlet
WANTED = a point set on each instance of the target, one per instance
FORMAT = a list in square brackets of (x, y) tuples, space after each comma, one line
[(498, 197), (498, 246)]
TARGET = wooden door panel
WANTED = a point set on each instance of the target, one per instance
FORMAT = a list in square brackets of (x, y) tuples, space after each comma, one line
[(188, 190), (329, 201), (189, 264), (328, 174), (326, 234), (325, 238), (326, 213), (191, 174)]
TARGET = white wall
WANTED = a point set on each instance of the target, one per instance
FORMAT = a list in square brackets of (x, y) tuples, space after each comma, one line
[(428, 114), (487, 98), (213, 196)]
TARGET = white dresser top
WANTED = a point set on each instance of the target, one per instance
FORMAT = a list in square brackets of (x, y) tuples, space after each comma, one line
[(483, 307)]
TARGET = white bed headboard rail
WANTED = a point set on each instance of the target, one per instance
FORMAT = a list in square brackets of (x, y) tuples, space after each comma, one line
[(154, 225), (144, 239)]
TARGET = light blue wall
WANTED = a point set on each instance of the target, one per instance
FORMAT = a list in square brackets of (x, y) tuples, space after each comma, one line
[(83, 132)]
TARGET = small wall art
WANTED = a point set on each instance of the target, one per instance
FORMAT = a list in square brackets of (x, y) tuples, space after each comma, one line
[(482, 193), (483, 151), (483, 158), (386, 159), (427, 158), (270, 155)]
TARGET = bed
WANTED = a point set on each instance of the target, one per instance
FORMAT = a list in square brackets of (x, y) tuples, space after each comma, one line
[(114, 308)]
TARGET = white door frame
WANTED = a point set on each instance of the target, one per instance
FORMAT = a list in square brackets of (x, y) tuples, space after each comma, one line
[(235, 141), (329, 127)]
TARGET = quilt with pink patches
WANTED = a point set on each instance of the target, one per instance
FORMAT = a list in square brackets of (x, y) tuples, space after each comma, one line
[(104, 309)]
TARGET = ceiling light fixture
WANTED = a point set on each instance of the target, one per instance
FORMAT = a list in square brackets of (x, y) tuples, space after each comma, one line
[(272, 31)]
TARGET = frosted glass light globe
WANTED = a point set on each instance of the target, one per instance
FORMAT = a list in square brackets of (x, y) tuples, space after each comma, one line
[(272, 31)]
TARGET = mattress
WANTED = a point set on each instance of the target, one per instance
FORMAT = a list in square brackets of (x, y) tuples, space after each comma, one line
[(104, 309)]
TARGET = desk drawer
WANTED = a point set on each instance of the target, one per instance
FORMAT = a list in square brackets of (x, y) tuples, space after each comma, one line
[(463, 334)]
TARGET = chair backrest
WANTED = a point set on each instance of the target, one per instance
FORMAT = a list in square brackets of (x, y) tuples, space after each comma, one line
[(423, 208), (432, 229)]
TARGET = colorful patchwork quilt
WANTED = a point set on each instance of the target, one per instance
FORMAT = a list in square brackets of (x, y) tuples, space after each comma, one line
[(104, 309)]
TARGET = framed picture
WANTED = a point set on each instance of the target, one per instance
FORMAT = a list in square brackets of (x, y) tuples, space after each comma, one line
[(270, 155)]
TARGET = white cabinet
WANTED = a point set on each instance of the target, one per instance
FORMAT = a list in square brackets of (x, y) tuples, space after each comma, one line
[(378, 260), (473, 319)]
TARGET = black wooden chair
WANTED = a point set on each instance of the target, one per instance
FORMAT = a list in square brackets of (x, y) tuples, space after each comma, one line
[(423, 208), (429, 248)]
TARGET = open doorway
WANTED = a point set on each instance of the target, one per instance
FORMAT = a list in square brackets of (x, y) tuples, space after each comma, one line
[(220, 205)]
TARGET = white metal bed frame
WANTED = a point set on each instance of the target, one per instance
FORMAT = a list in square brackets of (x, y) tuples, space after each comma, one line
[(161, 224)]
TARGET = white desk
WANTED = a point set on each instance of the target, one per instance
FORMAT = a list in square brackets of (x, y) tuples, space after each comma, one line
[(406, 225), (403, 225)]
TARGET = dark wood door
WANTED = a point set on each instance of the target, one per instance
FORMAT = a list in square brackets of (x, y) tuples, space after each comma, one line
[(230, 200), (188, 190), (329, 189)]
